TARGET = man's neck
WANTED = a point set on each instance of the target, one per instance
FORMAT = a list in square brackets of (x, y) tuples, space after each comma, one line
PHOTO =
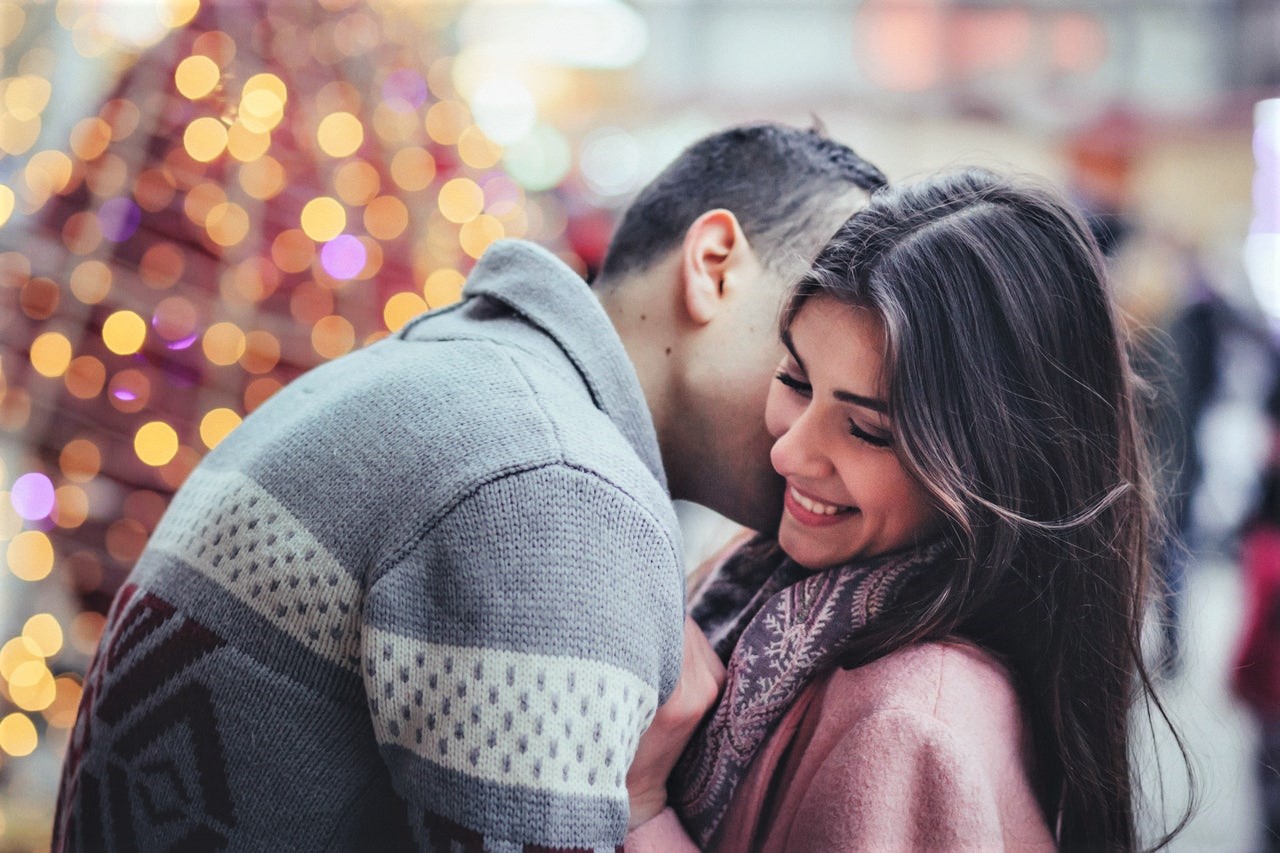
[(649, 335)]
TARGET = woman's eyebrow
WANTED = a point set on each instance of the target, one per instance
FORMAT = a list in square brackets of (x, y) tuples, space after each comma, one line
[(844, 396), (859, 400)]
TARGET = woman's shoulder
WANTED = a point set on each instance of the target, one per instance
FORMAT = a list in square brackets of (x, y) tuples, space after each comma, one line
[(921, 749), (954, 682)]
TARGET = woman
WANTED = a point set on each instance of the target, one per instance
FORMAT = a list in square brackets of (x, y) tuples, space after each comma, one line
[(946, 654)]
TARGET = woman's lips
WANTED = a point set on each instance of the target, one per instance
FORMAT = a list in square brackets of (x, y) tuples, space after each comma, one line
[(812, 512)]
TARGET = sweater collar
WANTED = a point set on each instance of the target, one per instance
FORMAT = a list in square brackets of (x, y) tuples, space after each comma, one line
[(542, 289)]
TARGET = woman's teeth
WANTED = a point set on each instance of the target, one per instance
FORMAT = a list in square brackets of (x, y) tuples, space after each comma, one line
[(816, 507)]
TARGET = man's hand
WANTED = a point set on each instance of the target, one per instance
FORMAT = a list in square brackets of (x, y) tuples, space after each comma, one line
[(701, 679)]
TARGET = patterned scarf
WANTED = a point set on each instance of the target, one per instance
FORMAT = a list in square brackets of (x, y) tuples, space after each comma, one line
[(794, 628)]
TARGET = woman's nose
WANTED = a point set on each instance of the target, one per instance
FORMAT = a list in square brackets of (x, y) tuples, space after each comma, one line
[(797, 452)]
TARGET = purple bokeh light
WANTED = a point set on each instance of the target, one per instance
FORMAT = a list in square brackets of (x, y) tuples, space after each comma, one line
[(407, 86), (343, 257), (124, 394), (118, 218), (32, 496), (182, 343)]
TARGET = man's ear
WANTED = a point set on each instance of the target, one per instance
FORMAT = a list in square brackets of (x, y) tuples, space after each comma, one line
[(713, 246)]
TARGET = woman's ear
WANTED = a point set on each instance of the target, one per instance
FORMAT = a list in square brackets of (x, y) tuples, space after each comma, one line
[(713, 246)]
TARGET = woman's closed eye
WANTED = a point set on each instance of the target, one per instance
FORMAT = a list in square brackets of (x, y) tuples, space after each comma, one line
[(801, 387), (804, 389), (870, 438)]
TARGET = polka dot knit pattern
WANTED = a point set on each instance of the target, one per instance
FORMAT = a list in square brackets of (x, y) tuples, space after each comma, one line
[(234, 532)]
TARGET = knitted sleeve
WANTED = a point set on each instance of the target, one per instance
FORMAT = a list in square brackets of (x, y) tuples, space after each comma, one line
[(514, 655)]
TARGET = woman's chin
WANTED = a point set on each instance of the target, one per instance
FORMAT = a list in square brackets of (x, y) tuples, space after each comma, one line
[(807, 553)]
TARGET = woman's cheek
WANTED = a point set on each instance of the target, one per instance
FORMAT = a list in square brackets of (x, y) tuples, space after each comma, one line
[(776, 417)]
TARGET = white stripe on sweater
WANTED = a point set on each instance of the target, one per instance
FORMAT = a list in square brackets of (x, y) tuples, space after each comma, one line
[(231, 530), (562, 724)]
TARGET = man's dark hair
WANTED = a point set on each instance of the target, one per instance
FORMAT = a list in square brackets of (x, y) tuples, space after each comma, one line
[(781, 182)]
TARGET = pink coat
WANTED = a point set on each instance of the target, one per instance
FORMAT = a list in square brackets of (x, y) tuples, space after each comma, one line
[(924, 749)]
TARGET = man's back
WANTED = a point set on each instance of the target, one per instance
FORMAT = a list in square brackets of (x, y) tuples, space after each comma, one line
[(442, 571)]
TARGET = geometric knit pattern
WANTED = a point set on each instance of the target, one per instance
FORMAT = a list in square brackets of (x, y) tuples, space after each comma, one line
[(428, 595), (178, 781)]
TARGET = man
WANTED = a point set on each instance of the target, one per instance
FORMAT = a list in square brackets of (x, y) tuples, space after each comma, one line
[(431, 592)]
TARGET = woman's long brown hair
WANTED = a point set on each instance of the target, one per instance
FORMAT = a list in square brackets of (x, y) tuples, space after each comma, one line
[(1013, 402)]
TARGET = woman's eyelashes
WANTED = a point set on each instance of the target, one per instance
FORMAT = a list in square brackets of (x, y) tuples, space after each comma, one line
[(798, 385), (804, 389), (870, 438)]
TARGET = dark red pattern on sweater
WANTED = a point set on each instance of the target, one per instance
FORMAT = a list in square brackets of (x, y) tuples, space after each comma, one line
[(146, 645)]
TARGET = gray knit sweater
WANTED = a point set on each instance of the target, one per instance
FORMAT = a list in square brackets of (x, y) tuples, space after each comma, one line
[(429, 594)]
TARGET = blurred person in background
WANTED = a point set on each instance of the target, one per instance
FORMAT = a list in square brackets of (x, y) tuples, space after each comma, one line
[(451, 557), (1255, 673), (944, 653)]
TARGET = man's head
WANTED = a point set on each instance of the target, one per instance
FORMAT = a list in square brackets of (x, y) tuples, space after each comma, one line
[(694, 279)]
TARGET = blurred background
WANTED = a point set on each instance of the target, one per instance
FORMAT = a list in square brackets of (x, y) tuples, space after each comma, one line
[(201, 200)]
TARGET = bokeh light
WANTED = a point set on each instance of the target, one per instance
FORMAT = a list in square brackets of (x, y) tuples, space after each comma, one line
[(196, 76), (61, 713), (118, 219), (32, 496), (386, 217), (443, 287), (15, 653), (80, 460), (293, 250), (223, 343), (85, 377), (90, 138), (29, 555), (71, 506), (263, 178), (6, 204), (227, 223), (18, 735), (205, 139), (340, 134), (91, 281), (413, 169), (129, 391), (323, 219), (401, 308), (245, 145), (32, 687), (476, 235), (217, 425), (333, 336), (155, 443), (124, 332), (461, 200), (45, 633), (51, 354), (356, 182), (343, 257)]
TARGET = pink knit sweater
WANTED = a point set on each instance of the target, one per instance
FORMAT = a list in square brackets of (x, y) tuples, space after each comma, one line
[(921, 750)]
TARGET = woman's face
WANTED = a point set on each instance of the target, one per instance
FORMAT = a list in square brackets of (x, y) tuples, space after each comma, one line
[(847, 493)]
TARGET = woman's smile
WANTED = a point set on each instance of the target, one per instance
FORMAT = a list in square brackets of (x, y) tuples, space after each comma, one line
[(813, 512)]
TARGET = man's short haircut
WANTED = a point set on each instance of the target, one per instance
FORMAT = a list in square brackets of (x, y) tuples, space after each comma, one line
[(789, 189)]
